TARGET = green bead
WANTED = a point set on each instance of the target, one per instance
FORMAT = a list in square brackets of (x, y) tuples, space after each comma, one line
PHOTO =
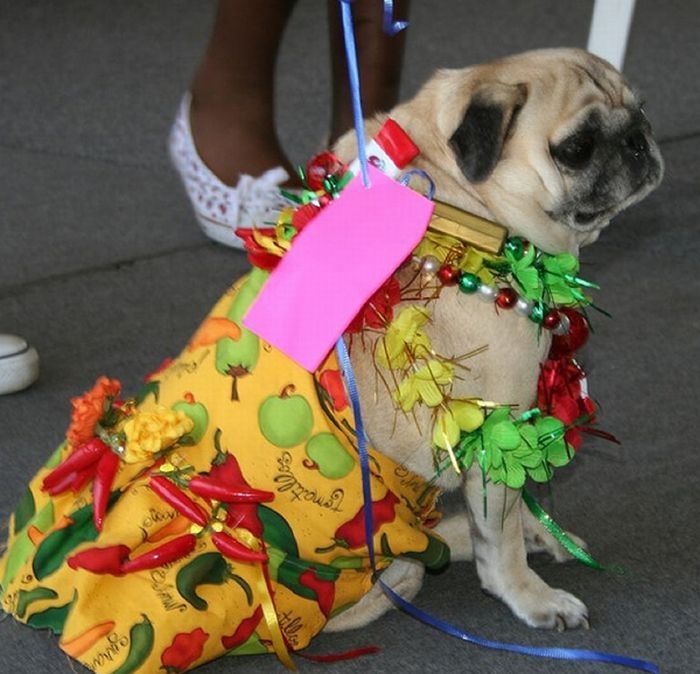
[(539, 311), (468, 282), (516, 247)]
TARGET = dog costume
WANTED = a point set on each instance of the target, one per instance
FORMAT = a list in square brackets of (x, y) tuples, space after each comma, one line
[(240, 411)]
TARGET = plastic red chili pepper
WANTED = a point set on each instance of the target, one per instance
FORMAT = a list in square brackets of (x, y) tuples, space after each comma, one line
[(175, 497), (81, 478), (64, 484), (219, 491), (245, 515), (101, 560), (233, 549), (102, 485), (164, 554), (243, 631), (352, 533), (82, 457)]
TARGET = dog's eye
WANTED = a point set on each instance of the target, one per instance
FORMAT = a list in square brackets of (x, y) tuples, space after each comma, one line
[(575, 152)]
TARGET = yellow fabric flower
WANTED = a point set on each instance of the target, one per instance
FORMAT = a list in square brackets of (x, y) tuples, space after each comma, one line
[(425, 385), (148, 433), (404, 331)]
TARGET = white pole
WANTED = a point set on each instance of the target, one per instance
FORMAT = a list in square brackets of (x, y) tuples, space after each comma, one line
[(610, 29)]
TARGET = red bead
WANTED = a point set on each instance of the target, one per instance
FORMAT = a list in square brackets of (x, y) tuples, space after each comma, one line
[(506, 298), (551, 320), (574, 339), (448, 275)]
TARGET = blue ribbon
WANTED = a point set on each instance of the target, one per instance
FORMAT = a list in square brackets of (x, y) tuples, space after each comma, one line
[(349, 376), (392, 27), (354, 76), (539, 652), (406, 179)]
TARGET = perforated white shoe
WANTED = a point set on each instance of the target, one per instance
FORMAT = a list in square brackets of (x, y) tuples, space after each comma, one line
[(221, 209), (19, 364)]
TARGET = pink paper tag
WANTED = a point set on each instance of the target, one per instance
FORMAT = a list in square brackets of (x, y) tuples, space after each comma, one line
[(336, 264)]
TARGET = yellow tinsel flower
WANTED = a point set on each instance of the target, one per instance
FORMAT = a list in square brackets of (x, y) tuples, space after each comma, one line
[(424, 385), (148, 433), (460, 415), (404, 331)]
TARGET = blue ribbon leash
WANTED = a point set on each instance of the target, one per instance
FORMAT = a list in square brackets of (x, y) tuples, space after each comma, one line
[(354, 76), (392, 27)]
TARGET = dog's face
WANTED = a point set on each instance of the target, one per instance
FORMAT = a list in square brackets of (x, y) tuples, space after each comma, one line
[(551, 143)]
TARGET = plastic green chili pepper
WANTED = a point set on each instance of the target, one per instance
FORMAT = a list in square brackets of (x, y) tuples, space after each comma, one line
[(141, 637)]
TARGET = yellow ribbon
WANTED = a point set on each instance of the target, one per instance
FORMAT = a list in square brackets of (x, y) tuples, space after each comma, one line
[(273, 625)]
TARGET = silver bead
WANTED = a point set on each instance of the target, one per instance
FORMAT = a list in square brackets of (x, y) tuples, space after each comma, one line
[(523, 307), (430, 266), (417, 261), (486, 293), (564, 325)]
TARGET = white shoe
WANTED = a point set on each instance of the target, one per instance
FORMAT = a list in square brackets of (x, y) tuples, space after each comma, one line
[(19, 364), (221, 209)]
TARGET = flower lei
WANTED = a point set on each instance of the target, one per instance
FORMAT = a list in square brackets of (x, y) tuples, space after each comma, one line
[(543, 287)]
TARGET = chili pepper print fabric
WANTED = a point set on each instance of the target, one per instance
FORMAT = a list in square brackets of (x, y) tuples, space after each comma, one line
[(152, 538)]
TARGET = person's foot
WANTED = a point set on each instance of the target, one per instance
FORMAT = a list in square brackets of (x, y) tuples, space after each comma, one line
[(19, 364), (235, 154), (232, 142)]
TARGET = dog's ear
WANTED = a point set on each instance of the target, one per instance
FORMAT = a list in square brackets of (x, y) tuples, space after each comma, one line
[(487, 121)]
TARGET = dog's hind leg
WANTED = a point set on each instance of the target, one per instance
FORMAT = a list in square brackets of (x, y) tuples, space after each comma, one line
[(501, 559), (404, 576), (455, 530)]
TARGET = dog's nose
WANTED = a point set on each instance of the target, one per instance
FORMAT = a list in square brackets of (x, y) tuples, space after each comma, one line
[(636, 143)]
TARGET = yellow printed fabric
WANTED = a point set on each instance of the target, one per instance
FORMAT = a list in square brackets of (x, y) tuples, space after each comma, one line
[(234, 408)]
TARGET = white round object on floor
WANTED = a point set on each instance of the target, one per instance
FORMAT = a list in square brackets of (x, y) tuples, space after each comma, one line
[(19, 364)]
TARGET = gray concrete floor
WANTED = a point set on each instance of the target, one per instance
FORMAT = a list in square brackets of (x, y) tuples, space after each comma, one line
[(102, 267)]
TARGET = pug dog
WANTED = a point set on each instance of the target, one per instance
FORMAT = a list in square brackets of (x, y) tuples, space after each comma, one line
[(552, 144)]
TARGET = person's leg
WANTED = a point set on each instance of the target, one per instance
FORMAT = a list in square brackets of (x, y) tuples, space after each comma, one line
[(232, 113), (380, 58)]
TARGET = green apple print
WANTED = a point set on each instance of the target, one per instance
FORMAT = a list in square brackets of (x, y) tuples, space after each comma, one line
[(237, 358), (286, 420), (328, 456), (197, 413)]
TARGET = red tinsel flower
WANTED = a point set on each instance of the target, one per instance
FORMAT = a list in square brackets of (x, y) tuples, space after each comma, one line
[(379, 309), (257, 255), (323, 165), (561, 395), (302, 216)]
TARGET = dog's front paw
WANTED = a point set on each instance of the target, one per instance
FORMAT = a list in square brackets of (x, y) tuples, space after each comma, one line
[(539, 605)]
